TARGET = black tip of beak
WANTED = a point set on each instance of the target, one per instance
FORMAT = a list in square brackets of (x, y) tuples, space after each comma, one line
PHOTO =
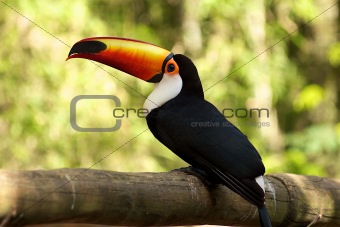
[(87, 47)]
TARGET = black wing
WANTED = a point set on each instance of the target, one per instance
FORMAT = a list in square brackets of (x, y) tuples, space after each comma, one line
[(198, 133)]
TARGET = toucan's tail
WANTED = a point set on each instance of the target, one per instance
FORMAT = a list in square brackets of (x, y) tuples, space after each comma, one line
[(264, 217)]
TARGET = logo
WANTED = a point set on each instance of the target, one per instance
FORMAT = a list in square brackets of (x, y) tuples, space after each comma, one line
[(73, 113), (117, 113)]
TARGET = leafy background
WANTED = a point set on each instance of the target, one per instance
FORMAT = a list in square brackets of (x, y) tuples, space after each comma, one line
[(296, 79)]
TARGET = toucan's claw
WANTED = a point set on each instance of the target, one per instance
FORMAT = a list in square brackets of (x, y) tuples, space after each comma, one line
[(206, 179)]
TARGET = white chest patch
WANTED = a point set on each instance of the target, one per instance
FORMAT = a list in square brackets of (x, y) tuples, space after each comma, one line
[(168, 88)]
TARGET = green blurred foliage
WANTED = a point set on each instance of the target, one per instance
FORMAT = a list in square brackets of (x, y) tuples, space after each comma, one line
[(297, 80)]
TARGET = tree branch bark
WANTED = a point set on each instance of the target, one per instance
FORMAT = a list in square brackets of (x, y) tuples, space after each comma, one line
[(158, 199)]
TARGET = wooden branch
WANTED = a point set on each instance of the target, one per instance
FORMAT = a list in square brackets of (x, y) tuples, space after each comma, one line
[(154, 199)]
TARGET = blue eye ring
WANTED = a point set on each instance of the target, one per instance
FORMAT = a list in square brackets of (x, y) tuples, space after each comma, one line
[(171, 67)]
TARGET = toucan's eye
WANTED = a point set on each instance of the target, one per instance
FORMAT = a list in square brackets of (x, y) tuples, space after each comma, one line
[(171, 68)]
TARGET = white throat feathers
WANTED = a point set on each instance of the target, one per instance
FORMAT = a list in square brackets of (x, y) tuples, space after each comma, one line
[(168, 88)]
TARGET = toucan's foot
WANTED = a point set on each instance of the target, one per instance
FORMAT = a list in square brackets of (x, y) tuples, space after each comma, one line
[(199, 173)]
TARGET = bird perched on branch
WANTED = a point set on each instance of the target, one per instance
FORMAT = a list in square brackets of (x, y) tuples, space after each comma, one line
[(180, 117)]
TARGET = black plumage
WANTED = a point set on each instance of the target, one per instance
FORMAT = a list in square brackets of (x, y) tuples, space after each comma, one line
[(198, 133)]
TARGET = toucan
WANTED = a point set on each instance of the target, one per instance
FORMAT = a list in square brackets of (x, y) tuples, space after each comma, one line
[(181, 119)]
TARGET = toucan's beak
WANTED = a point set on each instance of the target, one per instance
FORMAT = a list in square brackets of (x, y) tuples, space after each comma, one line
[(142, 60)]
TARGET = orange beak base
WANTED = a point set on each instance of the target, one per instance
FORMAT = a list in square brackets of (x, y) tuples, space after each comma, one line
[(140, 59)]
